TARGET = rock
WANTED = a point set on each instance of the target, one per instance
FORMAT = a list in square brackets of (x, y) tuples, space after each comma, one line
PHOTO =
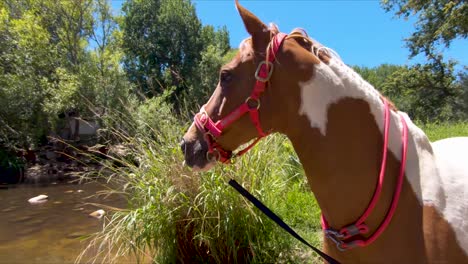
[(38, 174), (38, 199), (76, 235), (35, 222), (50, 155), (69, 191), (27, 231), (9, 209), (98, 214), (22, 219), (78, 209), (79, 191)]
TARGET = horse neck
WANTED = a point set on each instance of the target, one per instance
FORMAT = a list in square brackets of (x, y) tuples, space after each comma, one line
[(337, 136)]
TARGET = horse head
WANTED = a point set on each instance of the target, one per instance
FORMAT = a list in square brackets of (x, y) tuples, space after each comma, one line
[(253, 96)]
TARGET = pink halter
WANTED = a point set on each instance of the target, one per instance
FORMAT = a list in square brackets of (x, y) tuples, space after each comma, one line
[(213, 130)]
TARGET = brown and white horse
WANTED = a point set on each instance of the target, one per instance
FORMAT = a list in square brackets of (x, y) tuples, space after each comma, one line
[(335, 121)]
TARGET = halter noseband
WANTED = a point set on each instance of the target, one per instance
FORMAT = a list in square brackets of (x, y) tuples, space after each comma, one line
[(213, 130)]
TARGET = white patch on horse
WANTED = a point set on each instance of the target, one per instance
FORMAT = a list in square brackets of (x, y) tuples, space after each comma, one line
[(449, 191), (439, 179), (335, 81)]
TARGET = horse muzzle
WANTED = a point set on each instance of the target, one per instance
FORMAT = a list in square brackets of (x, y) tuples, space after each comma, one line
[(195, 150)]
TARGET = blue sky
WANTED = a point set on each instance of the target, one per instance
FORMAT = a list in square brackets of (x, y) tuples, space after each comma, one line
[(360, 31)]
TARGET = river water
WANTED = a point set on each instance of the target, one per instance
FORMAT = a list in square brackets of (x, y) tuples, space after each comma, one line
[(51, 232)]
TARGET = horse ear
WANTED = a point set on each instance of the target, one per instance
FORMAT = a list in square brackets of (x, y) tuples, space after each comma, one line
[(253, 24)]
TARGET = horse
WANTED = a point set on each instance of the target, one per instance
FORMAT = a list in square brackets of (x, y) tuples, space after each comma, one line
[(363, 158)]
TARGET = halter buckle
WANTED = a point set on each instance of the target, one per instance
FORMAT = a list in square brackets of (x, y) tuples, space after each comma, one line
[(269, 66), (255, 100), (335, 237)]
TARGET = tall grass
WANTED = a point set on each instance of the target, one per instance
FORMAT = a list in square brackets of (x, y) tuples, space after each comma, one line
[(176, 215)]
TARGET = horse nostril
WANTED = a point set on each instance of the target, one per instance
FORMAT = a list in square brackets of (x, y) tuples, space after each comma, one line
[(182, 145)]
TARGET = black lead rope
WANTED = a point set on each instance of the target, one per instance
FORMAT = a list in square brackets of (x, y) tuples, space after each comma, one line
[(278, 220)]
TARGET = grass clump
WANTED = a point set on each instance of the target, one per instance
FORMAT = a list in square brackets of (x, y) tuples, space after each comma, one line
[(176, 215)]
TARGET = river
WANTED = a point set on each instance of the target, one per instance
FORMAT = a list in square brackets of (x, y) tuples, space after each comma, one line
[(51, 232)]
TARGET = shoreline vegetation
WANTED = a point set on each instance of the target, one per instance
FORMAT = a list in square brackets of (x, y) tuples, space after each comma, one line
[(133, 81)]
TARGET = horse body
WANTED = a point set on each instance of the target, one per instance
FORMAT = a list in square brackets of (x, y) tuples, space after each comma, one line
[(335, 121), (429, 225)]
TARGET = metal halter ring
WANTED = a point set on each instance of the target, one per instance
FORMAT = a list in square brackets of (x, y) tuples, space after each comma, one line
[(269, 66), (250, 99), (213, 158)]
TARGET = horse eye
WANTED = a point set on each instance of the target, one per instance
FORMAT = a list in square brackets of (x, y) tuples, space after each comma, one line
[(225, 77)]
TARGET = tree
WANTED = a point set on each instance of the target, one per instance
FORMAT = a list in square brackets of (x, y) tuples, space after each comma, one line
[(47, 67), (439, 22), (164, 44), (421, 90), (462, 101), (424, 93), (26, 61), (377, 76), (432, 89)]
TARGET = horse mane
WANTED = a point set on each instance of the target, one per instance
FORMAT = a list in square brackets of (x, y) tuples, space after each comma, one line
[(322, 52)]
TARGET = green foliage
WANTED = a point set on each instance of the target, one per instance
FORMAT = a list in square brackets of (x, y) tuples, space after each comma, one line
[(27, 58), (439, 22), (166, 46), (428, 92), (462, 101), (47, 68), (425, 93), (438, 131), (8, 160), (154, 117), (377, 76)]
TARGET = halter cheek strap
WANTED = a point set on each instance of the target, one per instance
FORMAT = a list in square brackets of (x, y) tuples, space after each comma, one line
[(213, 130)]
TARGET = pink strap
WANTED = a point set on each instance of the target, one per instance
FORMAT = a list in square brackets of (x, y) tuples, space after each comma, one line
[(360, 227), (232, 117)]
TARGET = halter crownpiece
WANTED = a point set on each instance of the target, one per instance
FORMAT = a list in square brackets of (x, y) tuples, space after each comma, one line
[(213, 130)]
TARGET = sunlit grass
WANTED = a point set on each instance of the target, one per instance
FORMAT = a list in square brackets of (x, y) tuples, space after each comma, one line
[(437, 131)]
